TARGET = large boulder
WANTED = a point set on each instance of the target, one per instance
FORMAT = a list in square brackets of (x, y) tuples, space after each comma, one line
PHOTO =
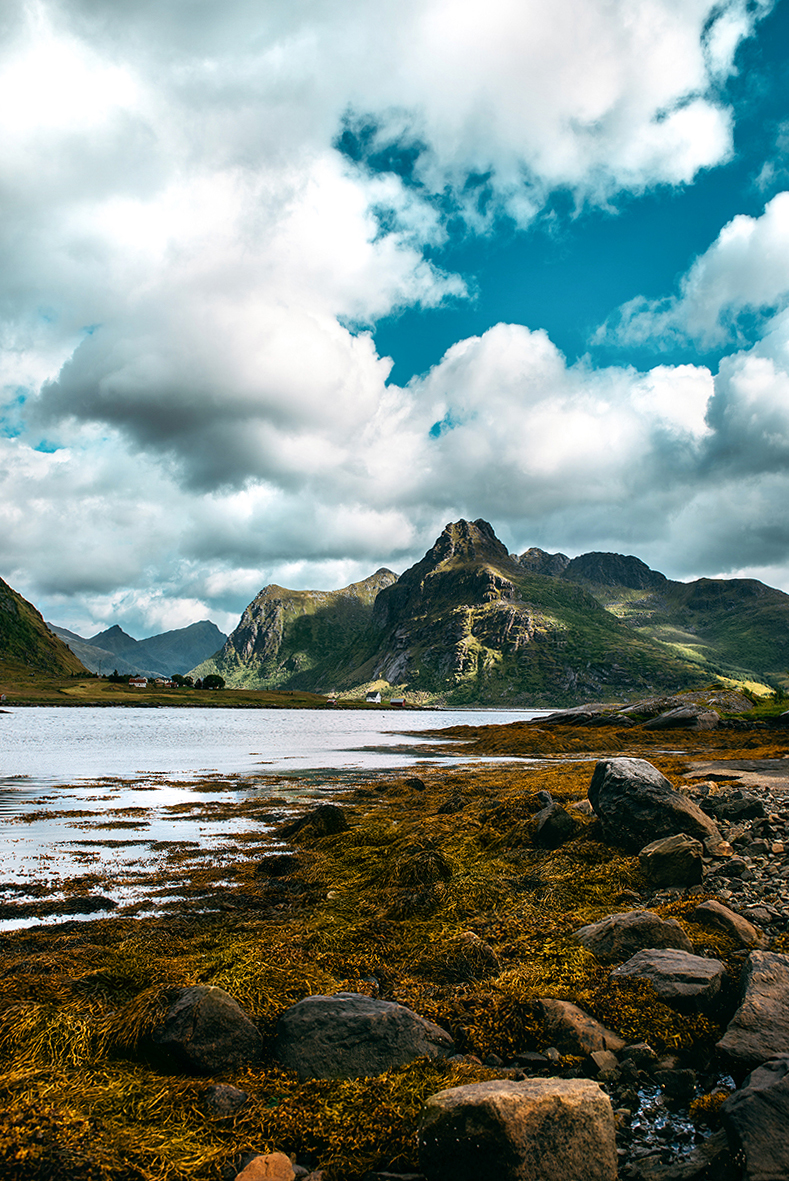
[(209, 1031), (636, 804), (714, 914), (350, 1035), (681, 980), (575, 1032), (324, 821), (756, 1119), (551, 1129), (618, 936), (673, 861), (760, 1028)]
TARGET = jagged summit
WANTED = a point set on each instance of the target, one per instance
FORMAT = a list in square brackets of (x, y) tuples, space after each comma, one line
[(537, 561)]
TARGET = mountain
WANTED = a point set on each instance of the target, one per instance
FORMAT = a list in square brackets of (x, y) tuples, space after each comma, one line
[(734, 626), (467, 624), (292, 639), (27, 644), (162, 655)]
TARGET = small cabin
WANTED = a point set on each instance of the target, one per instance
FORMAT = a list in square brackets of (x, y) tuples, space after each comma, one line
[(399, 701), (373, 698)]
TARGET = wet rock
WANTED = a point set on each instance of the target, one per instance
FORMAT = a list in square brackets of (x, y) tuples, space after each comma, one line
[(673, 861), (324, 821), (709, 1161), (618, 936), (685, 717), (576, 1032), (677, 1084), (603, 1062), (222, 1100), (415, 783), (554, 826), (636, 804), (756, 1119), (208, 1030), (349, 1035), (715, 914), (502, 1130), (760, 1028), (735, 805), (682, 980), (269, 1166)]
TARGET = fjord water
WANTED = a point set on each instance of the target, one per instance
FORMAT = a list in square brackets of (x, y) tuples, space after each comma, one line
[(50, 744), (103, 802)]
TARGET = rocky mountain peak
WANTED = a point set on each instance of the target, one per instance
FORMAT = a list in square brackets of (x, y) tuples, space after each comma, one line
[(538, 561), (472, 541)]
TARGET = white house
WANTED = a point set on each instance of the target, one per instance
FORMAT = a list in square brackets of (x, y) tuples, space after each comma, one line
[(139, 682), (375, 698)]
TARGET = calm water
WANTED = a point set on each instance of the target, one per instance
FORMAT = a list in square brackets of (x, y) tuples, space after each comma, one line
[(48, 745), (93, 802)]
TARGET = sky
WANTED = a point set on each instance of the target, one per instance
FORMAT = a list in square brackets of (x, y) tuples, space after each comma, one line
[(284, 288)]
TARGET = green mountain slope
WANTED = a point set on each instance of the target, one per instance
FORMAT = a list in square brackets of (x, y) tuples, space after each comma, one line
[(467, 624), (27, 644), (732, 626), (299, 639)]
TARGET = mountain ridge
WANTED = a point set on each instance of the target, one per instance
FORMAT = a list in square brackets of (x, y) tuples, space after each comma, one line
[(470, 623), (174, 651)]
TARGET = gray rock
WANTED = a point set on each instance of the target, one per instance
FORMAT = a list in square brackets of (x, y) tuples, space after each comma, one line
[(618, 936), (209, 1031), (673, 861), (222, 1100), (681, 980), (715, 914), (554, 826), (349, 1035), (551, 1129), (760, 1028), (709, 1161), (636, 804), (756, 1120), (575, 1032), (685, 717)]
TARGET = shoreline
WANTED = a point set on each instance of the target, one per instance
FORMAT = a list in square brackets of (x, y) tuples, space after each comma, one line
[(436, 896)]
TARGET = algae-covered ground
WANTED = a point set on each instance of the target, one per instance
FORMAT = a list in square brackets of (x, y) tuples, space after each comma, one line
[(435, 898)]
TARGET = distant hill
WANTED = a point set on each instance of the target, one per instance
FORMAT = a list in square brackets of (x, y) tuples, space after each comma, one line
[(27, 644), (738, 627), (161, 655), (290, 639), (466, 624)]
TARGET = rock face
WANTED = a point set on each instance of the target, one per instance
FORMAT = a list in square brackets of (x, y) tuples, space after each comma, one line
[(352, 1036), (209, 1031), (673, 861), (574, 1032), (685, 717), (715, 914), (618, 936), (636, 804), (554, 826), (269, 1166), (551, 1129), (682, 980), (760, 1028), (756, 1120)]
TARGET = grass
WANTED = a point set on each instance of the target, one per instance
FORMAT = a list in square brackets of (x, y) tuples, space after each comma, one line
[(454, 913)]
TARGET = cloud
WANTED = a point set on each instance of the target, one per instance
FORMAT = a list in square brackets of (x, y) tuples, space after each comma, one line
[(745, 270), (190, 267)]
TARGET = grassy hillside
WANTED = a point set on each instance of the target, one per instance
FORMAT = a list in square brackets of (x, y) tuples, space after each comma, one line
[(27, 646)]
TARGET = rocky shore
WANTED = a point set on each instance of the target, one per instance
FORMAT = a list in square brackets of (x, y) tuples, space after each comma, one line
[(577, 969)]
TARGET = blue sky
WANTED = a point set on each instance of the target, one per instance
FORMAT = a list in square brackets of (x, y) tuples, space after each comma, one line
[(286, 288)]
